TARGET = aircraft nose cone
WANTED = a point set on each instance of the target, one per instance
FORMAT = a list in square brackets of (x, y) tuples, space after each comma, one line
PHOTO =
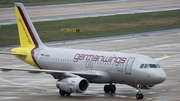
[(160, 76)]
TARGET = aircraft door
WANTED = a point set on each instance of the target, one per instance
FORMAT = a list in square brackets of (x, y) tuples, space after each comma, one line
[(129, 65)]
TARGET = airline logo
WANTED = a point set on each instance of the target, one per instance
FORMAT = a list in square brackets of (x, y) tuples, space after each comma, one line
[(118, 60), (25, 31)]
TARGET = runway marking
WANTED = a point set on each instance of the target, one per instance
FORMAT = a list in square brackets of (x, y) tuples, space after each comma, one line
[(121, 96), (112, 41), (23, 85), (7, 98), (161, 97), (151, 92), (117, 40), (148, 98)]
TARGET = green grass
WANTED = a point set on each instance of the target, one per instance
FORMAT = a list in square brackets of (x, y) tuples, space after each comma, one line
[(97, 26), (10, 3)]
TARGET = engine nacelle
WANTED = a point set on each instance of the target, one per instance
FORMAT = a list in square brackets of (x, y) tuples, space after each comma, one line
[(73, 84)]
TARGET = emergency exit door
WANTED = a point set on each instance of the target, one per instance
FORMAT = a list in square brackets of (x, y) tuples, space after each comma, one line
[(129, 65)]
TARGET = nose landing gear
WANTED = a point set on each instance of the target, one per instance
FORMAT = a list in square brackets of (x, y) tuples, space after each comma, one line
[(139, 95)]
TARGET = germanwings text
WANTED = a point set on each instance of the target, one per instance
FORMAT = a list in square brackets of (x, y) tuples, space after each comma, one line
[(100, 58)]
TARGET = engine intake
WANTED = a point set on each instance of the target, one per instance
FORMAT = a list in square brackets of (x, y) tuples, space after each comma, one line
[(73, 84)]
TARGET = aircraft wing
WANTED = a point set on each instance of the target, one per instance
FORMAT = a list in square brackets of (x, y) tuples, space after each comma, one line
[(162, 58), (56, 73)]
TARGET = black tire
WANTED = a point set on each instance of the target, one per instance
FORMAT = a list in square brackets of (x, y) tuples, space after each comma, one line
[(106, 88), (68, 94), (113, 88), (139, 96), (61, 92)]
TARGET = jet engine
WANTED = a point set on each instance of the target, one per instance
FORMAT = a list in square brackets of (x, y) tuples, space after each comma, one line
[(73, 84)]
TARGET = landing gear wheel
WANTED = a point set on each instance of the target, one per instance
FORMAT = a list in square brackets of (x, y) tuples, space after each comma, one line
[(113, 88), (139, 96), (63, 93), (68, 94), (109, 88), (106, 88)]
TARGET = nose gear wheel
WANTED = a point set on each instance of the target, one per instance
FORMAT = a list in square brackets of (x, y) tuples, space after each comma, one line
[(139, 95)]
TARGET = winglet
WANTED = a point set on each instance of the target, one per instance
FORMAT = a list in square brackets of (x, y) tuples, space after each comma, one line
[(165, 56)]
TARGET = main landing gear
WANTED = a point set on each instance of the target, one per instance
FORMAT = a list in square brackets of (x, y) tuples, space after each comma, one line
[(112, 88), (64, 93), (139, 95), (109, 88)]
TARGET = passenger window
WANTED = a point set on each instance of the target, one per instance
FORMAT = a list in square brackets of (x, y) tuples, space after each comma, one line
[(142, 65)]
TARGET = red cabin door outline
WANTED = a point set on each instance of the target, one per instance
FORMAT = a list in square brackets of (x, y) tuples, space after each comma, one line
[(129, 65)]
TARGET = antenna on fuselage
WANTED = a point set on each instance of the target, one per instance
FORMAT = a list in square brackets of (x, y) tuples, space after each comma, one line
[(137, 52), (69, 47)]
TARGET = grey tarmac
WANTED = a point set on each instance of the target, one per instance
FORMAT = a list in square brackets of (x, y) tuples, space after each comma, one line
[(89, 9), (23, 86)]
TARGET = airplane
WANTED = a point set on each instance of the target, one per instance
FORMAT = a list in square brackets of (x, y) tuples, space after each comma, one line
[(75, 69)]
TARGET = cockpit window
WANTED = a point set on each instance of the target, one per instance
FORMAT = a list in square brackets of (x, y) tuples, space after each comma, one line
[(152, 65), (158, 66), (149, 66), (146, 66), (142, 66)]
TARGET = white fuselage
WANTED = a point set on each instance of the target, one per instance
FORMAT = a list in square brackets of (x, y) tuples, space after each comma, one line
[(114, 67)]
